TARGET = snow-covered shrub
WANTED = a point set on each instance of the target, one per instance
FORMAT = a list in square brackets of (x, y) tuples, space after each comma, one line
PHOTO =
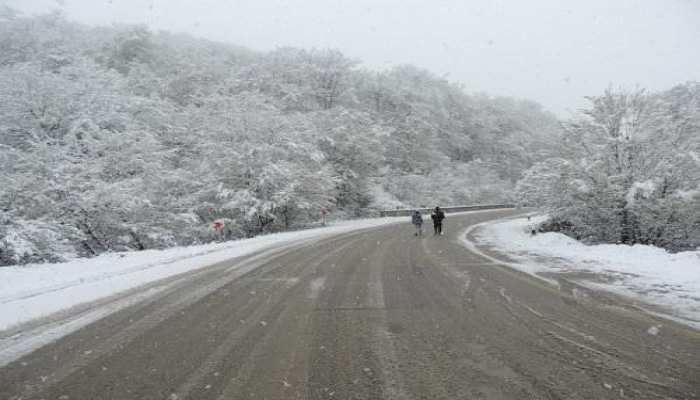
[(24, 241)]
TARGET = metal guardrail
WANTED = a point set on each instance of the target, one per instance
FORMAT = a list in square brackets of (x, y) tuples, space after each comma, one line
[(405, 212)]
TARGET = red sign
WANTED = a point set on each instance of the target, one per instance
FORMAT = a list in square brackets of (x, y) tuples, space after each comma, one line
[(217, 225)]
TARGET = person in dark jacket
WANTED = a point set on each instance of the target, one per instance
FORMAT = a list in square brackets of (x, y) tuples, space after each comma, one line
[(417, 221), (437, 216)]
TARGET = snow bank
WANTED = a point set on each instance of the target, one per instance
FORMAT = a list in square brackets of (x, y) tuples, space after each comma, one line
[(36, 290), (643, 272)]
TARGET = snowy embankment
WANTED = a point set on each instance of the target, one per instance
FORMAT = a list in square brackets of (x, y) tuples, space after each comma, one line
[(33, 291), (645, 273)]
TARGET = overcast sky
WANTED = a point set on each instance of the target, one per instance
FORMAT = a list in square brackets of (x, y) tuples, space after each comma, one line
[(551, 51)]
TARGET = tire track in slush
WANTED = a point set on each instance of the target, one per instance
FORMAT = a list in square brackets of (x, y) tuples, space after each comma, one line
[(183, 293), (382, 338), (216, 357), (150, 320)]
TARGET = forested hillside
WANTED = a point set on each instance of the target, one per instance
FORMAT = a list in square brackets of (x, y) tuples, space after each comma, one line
[(120, 138)]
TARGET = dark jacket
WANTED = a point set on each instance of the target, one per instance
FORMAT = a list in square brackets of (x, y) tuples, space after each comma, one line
[(437, 216)]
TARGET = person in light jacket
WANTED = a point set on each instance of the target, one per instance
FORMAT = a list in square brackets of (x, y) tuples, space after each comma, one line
[(417, 220)]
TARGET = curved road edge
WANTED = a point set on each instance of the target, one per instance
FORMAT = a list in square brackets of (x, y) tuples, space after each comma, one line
[(474, 248), (558, 280)]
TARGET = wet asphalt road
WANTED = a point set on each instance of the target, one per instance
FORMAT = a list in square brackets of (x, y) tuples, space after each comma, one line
[(375, 314)]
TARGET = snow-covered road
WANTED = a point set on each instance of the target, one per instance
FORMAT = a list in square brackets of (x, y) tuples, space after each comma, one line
[(376, 313)]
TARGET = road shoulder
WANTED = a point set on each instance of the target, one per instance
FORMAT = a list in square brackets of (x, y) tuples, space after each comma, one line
[(585, 276)]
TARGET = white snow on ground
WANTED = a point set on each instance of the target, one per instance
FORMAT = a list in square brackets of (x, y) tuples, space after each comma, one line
[(645, 273), (37, 290)]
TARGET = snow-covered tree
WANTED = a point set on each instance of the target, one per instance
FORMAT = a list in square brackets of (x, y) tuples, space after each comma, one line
[(627, 171)]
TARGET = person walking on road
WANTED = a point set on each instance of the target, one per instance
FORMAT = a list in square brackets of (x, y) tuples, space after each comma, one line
[(437, 216), (417, 220)]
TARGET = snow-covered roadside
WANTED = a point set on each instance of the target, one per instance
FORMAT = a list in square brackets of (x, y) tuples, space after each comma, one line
[(645, 273), (37, 290)]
